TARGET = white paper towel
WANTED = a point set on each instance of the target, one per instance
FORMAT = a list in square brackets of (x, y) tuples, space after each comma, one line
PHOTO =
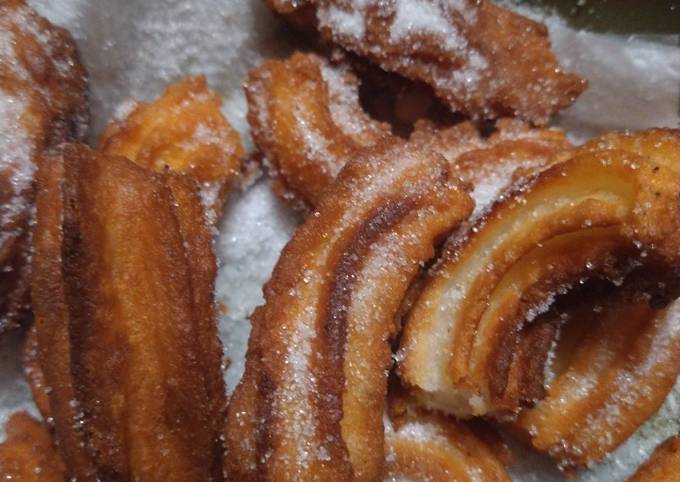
[(134, 48)]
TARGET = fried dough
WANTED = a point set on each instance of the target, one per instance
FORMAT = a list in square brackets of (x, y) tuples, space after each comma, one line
[(185, 131), (625, 350), (43, 101), (34, 374), (28, 454), (628, 355), (308, 133), (310, 405), (306, 120), (481, 59), (422, 445), (598, 214), (663, 465), (127, 341)]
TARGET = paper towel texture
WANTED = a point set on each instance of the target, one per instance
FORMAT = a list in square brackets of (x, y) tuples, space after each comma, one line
[(134, 48)]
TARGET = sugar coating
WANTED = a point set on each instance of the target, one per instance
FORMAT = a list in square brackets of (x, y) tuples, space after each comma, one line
[(343, 97), (134, 49), (16, 156), (16, 146), (235, 35), (411, 23)]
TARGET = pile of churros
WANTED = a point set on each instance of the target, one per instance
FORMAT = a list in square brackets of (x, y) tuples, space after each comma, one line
[(464, 274)]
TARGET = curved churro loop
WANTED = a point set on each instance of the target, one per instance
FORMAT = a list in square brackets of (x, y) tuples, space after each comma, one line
[(28, 454), (589, 216), (43, 101), (310, 405), (481, 59), (306, 120), (663, 465), (626, 352), (615, 363), (127, 340), (185, 131), (422, 445)]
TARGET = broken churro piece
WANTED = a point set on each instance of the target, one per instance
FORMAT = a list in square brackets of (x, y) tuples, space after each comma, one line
[(481, 59), (628, 354), (423, 445), (185, 131)]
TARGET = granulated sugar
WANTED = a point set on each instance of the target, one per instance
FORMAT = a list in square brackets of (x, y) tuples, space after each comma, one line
[(133, 49)]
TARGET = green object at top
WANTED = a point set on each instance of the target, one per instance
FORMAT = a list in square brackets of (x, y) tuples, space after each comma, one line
[(617, 16)]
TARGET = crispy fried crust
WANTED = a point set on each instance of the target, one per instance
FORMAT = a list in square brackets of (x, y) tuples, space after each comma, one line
[(43, 101), (481, 59), (422, 445), (311, 402), (306, 120), (628, 354), (28, 455), (597, 214), (625, 350), (122, 285), (491, 164), (184, 130), (663, 465)]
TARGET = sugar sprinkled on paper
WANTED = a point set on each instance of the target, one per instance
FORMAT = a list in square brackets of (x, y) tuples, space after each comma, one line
[(232, 37)]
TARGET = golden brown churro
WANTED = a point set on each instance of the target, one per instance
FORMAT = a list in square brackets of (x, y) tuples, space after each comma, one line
[(597, 214), (306, 120), (122, 291), (310, 405), (423, 445), (626, 351), (627, 354)]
